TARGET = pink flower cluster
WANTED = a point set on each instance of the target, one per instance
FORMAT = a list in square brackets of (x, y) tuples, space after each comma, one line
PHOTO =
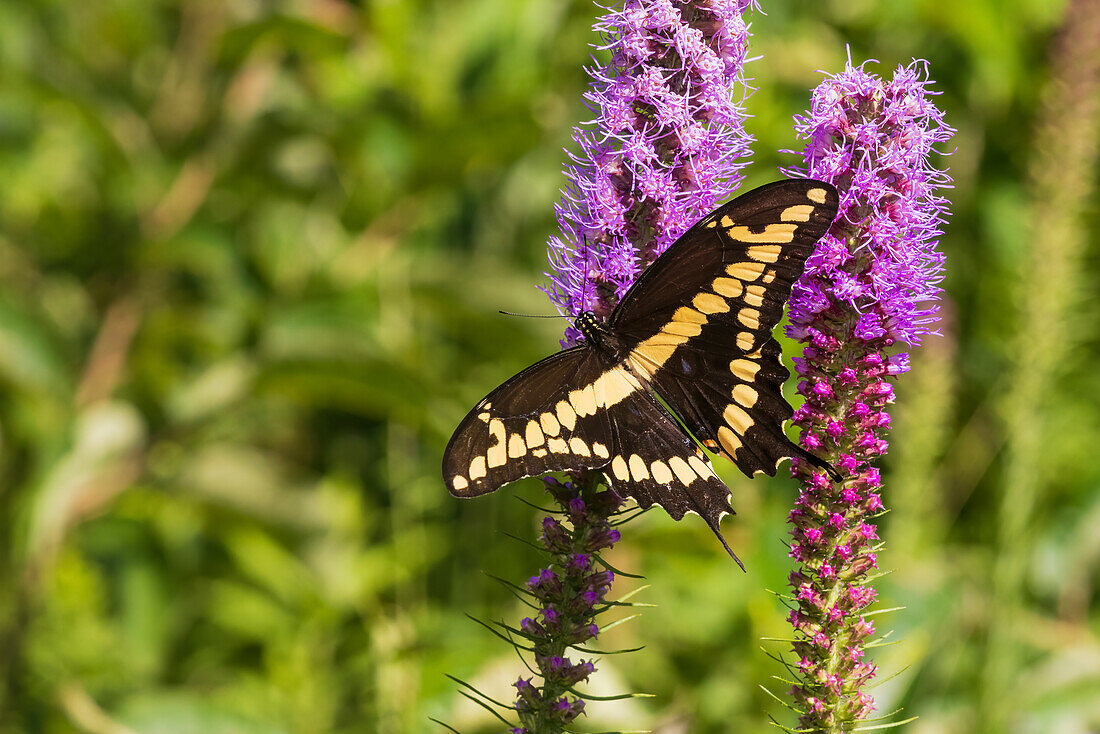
[(666, 146)]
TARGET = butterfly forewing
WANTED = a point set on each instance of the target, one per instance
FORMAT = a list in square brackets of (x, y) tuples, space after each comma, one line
[(701, 318), (550, 417)]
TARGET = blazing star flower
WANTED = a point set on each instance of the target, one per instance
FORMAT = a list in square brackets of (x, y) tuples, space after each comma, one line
[(668, 143), (866, 297), (571, 593)]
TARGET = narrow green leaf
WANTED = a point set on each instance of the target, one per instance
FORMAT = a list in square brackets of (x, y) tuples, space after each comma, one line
[(487, 707), (547, 510), (607, 652), (786, 705), (536, 546), (619, 697), (616, 571), (503, 637), (886, 726), (448, 727), (617, 622), (475, 690), (643, 587)]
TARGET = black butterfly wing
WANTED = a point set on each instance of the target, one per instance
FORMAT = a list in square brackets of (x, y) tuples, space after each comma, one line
[(699, 321), (655, 462), (551, 417), (578, 410)]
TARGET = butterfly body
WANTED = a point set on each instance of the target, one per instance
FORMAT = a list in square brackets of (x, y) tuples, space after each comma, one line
[(600, 338), (695, 330)]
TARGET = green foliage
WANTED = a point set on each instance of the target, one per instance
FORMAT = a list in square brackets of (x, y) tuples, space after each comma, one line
[(250, 259)]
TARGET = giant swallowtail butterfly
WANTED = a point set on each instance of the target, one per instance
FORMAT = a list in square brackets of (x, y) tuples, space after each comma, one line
[(696, 330)]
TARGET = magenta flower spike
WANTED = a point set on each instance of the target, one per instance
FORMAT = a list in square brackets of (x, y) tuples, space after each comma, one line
[(667, 144), (867, 297)]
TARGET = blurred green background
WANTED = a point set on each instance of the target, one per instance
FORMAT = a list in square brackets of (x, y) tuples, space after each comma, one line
[(251, 254)]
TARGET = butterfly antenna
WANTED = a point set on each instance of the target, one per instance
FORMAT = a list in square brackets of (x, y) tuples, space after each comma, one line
[(584, 280), (531, 315)]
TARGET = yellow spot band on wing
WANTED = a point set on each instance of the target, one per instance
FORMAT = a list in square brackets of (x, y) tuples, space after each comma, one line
[(772, 233), (797, 213), (550, 424), (729, 440), (745, 271), (533, 436), (689, 315), (679, 328), (566, 415), (754, 295), (745, 395), (650, 355), (727, 287), (765, 253), (749, 317), (816, 195), (681, 469), (497, 455), (700, 466), (737, 419), (709, 303), (745, 369), (615, 385), (661, 473), (583, 401)]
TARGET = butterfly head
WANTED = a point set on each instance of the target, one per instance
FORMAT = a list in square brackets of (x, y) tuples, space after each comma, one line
[(587, 324)]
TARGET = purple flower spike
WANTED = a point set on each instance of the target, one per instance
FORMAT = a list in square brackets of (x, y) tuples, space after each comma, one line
[(867, 295), (667, 145), (572, 592), (873, 140)]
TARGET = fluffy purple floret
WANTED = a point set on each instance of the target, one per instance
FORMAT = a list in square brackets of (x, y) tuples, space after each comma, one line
[(873, 139), (666, 144)]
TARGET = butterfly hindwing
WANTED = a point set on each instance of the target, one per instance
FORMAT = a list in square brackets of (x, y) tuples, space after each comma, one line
[(656, 462), (700, 320)]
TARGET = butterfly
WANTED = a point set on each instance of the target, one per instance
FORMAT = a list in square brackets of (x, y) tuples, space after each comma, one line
[(695, 330)]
